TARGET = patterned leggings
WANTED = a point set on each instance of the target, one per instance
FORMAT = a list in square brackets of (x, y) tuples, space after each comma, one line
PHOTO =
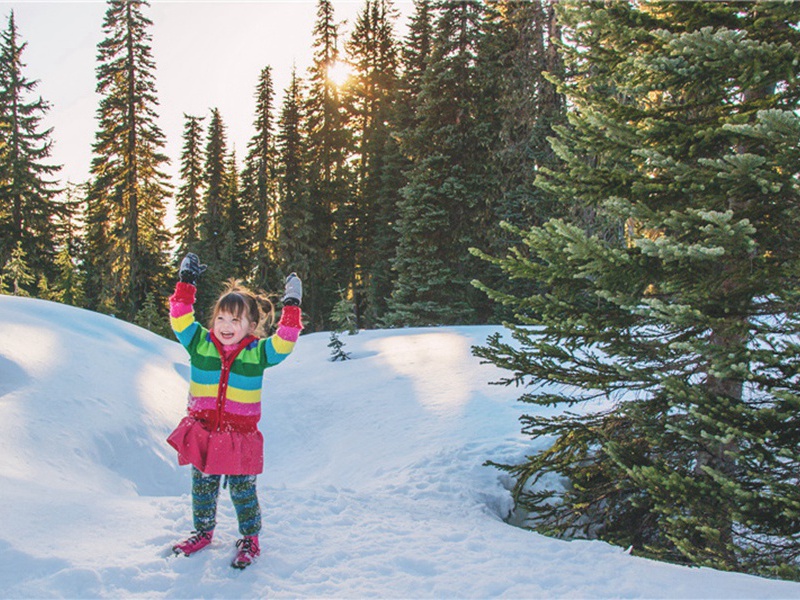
[(205, 493)]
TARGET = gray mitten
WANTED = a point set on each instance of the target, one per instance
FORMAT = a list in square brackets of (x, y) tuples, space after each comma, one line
[(293, 294)]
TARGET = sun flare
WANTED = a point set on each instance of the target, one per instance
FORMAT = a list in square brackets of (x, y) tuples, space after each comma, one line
[(339, 73)]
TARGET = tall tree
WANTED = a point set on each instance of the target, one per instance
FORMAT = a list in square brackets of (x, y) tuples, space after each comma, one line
[(397, 156), (216, 202), (29, 213), (373, 53), (415, 52), (237, 235), (259, 193), (295, 231), (443, 210), (127, 239), (216, 229), (518, 55), (190, 194), (685, 328), (327, 171)]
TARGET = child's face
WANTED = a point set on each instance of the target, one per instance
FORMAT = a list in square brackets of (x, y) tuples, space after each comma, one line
[(230, 329)]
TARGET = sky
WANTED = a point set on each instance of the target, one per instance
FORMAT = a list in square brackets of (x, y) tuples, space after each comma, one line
[(375, 484), (207, 54)]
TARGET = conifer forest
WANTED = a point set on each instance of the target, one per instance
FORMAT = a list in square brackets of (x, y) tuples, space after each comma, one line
[(617, 182)]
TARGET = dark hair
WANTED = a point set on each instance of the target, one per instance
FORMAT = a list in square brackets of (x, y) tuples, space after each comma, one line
[(238, 300)]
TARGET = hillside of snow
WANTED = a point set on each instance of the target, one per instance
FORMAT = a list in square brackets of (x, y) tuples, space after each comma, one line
[(374, 484)]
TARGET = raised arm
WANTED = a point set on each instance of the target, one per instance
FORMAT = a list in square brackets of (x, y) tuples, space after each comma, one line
[(279, 345), (181, 303)]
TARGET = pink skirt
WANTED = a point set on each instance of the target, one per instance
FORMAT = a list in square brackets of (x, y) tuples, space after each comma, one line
[(218, 452)]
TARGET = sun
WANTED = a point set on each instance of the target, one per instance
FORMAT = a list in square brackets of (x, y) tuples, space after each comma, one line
[(339, 73)]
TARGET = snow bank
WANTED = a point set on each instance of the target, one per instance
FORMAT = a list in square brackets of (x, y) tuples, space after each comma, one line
[(375, 484)]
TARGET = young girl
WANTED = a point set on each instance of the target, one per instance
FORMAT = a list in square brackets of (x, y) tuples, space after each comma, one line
[(220, 435)]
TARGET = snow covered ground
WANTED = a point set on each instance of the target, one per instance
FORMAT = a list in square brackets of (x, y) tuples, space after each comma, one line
[(374, 484)]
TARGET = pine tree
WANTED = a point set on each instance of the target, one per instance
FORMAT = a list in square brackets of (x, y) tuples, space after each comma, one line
[(154, 317), (17, 273), (373, 53), (217, 244), (216, 203), (343, 315), (683, 323), (443, 210), (343, 318), (126, 237), (236, 222), (327, 173), (396, 158), (68, 283), (29, 213), (517, 56), (190, 194), (43, 289), (416, 51), (337, 348), (102, 279), (259, 193), (295, 232)]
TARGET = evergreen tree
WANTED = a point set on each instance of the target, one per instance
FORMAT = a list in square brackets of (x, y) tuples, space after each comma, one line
[(397, 156), (154, 317), (295, 230), (337, 347), (343, 315), (343, 318), (68, 284), (685, 327), (43, 289), (259, 194), (236, 220), (190, 194), (29, 213), (216, 202), (416, 51), (102, 280), (126, 236), (516, 56), (519, 51), (17, 273), (372, 51), (443, 210), (217, 243), (327, 172)]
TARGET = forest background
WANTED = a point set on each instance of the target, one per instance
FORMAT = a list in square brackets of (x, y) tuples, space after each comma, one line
[(615, 181), (318, 189)]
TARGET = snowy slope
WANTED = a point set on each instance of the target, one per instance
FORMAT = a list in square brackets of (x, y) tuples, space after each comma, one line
[(374, 484)]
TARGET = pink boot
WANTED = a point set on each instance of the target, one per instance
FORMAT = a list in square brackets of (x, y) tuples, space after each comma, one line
[(248, 551), (197, 541)]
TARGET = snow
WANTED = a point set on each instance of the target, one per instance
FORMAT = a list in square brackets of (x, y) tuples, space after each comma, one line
[(374, 485)]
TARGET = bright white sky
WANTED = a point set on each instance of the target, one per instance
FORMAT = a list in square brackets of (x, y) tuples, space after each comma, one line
[(208, 55)]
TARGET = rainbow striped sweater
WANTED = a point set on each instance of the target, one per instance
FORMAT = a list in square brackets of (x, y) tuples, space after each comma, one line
[(225, 385)]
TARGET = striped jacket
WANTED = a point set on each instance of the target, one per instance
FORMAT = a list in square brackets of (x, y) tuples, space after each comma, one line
[(224, 404)]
